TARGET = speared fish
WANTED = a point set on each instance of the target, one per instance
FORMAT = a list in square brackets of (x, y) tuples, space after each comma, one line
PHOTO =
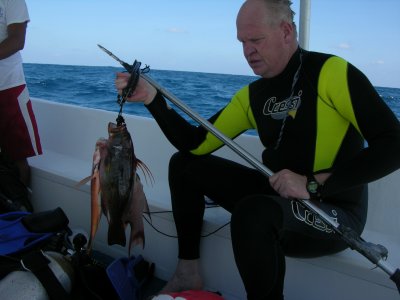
[(115, 181), (114, 177)]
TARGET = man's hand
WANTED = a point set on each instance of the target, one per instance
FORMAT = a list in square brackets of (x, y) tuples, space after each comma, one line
[(289, 184), (292, 185), (144, 91)]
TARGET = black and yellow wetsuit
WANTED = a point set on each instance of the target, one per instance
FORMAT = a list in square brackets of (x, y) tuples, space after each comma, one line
[(322, 123), (334, 109)]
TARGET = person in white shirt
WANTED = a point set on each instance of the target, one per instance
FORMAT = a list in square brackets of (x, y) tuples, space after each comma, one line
[(19, 136)]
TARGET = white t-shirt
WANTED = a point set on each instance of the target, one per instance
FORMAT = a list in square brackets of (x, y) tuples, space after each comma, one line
[(11, 70)]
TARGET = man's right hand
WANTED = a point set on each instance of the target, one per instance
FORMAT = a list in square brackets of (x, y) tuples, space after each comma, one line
[(144, 91)]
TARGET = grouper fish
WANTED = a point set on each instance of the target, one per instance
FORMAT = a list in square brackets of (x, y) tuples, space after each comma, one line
[(115, 181)]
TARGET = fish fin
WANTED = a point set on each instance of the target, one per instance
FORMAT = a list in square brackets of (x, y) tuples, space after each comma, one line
[(146, 208), (135, 215), (137, 238), (84, 181), (148, 176)]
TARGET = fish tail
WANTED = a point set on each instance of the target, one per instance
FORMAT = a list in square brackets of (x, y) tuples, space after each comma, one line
[(116, 233), (137, 238)]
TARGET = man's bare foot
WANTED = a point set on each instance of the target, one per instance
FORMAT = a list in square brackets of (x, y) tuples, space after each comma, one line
[(186, 277)]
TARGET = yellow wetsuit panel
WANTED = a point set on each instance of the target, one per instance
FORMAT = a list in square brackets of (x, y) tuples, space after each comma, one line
[(334, 112), (236, 118)]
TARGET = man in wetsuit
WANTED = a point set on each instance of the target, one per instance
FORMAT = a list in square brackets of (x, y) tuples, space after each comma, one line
[(19, 137), (313, 113)]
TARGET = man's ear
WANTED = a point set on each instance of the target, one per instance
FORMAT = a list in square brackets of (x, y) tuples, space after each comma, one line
[(288, 31)]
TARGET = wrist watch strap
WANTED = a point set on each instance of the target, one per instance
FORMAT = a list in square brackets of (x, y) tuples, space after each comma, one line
[(313, 187)]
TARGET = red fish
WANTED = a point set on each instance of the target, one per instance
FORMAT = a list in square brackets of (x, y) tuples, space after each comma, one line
[(114, 177)]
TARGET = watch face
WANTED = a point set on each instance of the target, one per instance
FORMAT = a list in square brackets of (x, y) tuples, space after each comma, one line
[(312, 187)]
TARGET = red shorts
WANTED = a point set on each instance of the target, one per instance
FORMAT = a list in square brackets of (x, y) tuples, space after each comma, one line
[(19, 136)]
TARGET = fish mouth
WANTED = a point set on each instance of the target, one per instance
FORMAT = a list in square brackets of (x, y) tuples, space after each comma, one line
[(114, 128)]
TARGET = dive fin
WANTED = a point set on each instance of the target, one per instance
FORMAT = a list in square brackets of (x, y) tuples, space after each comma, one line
[(22, 230)]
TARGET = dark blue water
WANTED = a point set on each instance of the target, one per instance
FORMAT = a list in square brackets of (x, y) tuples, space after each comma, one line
[(94, 87)]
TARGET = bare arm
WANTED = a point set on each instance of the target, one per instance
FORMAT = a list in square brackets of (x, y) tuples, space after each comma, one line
[(15, 40)]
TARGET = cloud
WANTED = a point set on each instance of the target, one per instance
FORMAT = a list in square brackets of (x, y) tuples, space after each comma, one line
[(379, 62), (344, 46), (176, 30)]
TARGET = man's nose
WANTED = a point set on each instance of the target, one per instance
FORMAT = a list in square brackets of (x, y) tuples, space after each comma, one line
[(248, 49)]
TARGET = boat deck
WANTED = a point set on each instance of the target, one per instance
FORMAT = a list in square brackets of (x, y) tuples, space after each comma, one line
[(67, 159)]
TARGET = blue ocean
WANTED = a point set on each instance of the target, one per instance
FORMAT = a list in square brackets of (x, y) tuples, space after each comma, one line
[(93, 86)]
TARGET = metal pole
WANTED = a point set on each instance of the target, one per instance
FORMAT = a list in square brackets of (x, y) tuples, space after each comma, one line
[(304, 27)]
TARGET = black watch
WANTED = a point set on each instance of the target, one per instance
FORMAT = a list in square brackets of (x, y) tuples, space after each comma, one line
[(313, 188)]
